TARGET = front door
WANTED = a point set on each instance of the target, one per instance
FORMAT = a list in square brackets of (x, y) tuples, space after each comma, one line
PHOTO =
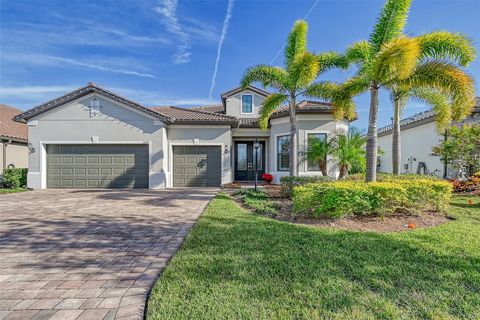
[(245, 157)]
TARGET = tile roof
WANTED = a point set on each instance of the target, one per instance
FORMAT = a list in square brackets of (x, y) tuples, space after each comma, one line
[(419, 118), (216, 108), (306, 106), (191, 116), (80, 92), (10, 128), (248, 122)]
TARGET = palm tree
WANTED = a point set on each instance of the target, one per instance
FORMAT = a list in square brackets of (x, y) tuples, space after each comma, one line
[(349, 150), (318, 150), (295, 79), (388, 58), (436, 49)]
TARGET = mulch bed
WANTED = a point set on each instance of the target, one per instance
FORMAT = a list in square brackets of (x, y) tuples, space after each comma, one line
[(391, 223)]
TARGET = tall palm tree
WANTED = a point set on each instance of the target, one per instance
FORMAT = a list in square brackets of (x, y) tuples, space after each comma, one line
[(295, 79), (436, 49), (388, 58), (318, 151), (349, 150)]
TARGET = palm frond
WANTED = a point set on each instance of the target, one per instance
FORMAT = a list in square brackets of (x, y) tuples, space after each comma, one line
[(447, 45), (296, 42), (271, 103), (359, 53), (438, 101), (303, 70), (266, 75), (448, 79), (396, 60), (323, 90), (390, 23), (331, 59)]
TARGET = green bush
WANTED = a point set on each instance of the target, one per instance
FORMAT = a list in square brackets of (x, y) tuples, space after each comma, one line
[(288, 183), (343, 198), (259, 201), (390, 177), (15, 178)]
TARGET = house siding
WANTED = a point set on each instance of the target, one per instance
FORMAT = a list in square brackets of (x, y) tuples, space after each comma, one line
[(15, 153), (74, 123), (234, 104)]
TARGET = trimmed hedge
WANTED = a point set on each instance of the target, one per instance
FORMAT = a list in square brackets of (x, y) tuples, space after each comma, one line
[(15, 177), (344, 198), (288, 183), (392, 177)]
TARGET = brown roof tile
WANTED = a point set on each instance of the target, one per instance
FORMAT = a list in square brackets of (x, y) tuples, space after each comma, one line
[(217, 108), (10, 128), (191, 116)]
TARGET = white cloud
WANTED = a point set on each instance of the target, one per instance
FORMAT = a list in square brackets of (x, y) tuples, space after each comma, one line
[(226, 23), (168, 10), (114, 65), (34, 95)]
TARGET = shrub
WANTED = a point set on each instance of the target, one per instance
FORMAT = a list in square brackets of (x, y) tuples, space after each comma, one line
[(470, 185), (15, 177), (389, 177), (288, 183), (259, 201), (343, 198)]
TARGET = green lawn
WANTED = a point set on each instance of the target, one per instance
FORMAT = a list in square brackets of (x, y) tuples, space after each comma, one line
[(237, 265), (12, 190)]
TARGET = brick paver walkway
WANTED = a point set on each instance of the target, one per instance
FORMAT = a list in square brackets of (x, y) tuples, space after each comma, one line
[(82, 254)]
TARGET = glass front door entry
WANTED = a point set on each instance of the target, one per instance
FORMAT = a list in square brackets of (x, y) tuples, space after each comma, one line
[(245, 159)]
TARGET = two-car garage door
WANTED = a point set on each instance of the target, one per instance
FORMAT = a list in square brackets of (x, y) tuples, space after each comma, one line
[(97, 166), (127, 166)]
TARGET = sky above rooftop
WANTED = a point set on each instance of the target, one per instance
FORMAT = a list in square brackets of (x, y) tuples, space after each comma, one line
[(167, 52)]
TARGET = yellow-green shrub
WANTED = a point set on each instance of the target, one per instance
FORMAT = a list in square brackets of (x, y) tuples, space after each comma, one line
[(342, 198)]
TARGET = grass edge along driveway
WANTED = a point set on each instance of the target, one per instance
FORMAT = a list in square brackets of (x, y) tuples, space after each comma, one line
[(235, 264)]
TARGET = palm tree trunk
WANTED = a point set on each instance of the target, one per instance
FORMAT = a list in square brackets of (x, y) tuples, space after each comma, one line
[(371, 152), (293, 138), (323, 168), (396, 137), (343, 171)]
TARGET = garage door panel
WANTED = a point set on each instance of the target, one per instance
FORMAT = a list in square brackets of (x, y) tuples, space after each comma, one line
[(197, 166), (97, 166)]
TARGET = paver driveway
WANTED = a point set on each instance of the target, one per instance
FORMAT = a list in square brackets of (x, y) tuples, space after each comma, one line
[(78, 254)]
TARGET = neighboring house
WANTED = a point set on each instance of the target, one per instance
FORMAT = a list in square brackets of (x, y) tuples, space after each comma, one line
[(93, 138), (419, 135), (13, 140)]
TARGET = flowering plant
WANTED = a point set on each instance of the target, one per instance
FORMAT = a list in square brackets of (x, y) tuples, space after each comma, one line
[(267, 177)]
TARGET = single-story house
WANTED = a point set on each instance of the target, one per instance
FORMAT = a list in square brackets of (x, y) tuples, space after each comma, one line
[(13, 139), (419, 135), (93, 138)]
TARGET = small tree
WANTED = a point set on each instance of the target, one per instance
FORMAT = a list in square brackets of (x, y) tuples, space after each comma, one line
[(461, 149), (349, 151), (318, 150)]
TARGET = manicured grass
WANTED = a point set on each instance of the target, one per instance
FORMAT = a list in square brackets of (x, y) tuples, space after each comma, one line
[(11, 190), (238, 265)]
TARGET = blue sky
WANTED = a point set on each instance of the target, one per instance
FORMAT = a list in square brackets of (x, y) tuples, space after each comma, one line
[(161, 52)]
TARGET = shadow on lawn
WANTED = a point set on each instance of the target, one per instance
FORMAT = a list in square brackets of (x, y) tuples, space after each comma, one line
[(315, 269)]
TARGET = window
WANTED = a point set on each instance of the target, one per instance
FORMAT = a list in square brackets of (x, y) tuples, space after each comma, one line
[(283, 153), (247, 103), (311, 139), (242, 156)]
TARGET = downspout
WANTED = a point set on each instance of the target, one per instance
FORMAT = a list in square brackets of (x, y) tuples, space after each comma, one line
[(5, 143)]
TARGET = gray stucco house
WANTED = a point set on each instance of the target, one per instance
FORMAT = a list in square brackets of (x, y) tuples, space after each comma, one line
[(93, 138)]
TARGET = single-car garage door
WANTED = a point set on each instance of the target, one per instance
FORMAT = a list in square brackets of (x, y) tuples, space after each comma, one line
[(97, 166), (197, 166)]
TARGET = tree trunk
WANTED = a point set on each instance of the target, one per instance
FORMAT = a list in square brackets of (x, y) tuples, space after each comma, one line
[(293, 138), (323, 168), (343, 171), (396, 152), (371, 153)]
